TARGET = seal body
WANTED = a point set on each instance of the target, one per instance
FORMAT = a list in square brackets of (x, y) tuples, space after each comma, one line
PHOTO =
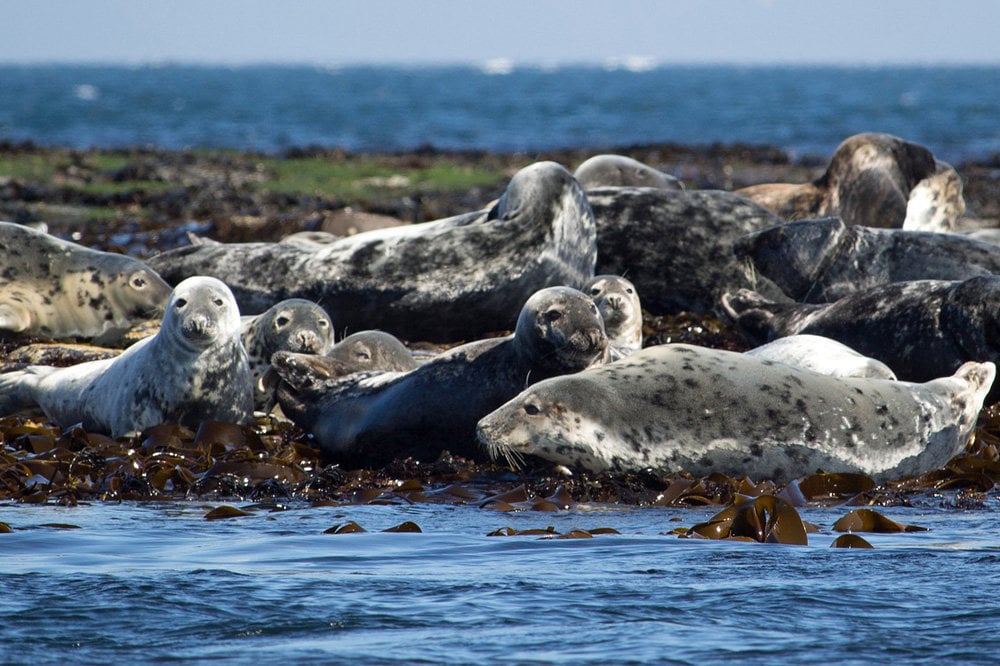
[(822, 355), (678, 407), (608, 170), (295, 325), (618, 302), (676, 247), (820, 261), (55, 289), (193, 369), (369, 419), (922, 329), (478, 267)]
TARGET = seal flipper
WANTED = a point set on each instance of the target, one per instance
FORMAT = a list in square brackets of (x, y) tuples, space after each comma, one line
[(14, 318), (17, 389), (752, 313)]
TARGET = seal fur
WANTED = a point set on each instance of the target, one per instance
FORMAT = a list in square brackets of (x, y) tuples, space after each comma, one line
[(822, 355), (618, 302), (608, 170)]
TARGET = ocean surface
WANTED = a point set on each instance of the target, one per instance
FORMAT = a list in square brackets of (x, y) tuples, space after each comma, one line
[(954, 111)]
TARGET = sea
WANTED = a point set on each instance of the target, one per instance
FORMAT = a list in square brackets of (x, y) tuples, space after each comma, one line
[(142, 582)]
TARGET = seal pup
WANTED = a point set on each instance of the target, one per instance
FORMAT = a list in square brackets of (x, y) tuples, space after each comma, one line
[(922, 329), (820, 261), (676, 246), (478, 267), (679, 407), (618, 303), (608, 170), (369, 419), (822, 355), (372, 351), (194, 369), (295, 325), (55, 289), (869, 182)]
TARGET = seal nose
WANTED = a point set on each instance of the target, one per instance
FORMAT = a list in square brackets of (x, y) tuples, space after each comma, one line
[(199, 326), (616, 302), (307, 341)]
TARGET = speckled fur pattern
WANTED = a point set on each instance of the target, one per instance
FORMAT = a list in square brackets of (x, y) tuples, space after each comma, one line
[(294, 325), (676, 247), (678, 407), (618, 302), (820, 261), (55, 289), (193, 369), (479, 268), (370, 418), (822, 355), (922, 329), (622, 171)]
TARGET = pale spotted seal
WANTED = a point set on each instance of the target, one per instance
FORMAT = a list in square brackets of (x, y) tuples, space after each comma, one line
[(367, 419), (55, 289), (193, 369), (679, 407), (874, 180), (819, 261), (618, 302), (608, 170), (822, 355), (295, 325), (922, 329), (479, 267)]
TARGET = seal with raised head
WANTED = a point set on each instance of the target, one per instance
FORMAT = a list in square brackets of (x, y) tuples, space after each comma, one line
[(479, 267), (294, 325), (607, 170), (679, 407), (55, 289), (369, 419), (820, 261), (618, 302), (822, 355), (194, 369), (922, 329)]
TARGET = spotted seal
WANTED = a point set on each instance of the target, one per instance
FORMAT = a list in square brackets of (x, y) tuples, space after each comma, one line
[(822, 355), (55, 289), (676, 247), (607, 170), (922, 329), (874, 180), (193, 369), (618, 302), (679, 407), (819, 261), (368, 419), (295, 325), (479, 267)]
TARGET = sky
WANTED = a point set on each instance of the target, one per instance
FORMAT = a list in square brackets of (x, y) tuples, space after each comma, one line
[(333, 32)]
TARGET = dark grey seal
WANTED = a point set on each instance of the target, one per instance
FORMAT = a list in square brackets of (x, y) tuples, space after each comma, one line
[(479, 267), (369, 419), (819, 261)]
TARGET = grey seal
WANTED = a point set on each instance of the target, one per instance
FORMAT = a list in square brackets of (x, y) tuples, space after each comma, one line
[(369, 419), (372, 351), (479, 267), (874, 180), (295, 325), (55, 289), (822, 355), (679, 407), (676, 247), (608, 170), (618, 302), (922, 329), (194, 369), (819, 261)]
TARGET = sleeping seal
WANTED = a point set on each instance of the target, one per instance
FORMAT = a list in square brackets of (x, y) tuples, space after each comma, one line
[(369, 419), (622, 171), (55, 289), (372, 351), (822, 355), (922, 329), (618, 303), (679, 407), (819, 261), (479, 267), (193, 369)]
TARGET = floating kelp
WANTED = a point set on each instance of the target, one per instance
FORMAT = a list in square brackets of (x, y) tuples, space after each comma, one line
[(550, 532), (850, 541), (869, 520), (766, 519), (827, 489), (226, 511)]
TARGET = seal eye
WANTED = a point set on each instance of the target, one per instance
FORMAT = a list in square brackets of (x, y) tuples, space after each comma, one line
[(281, 321), (138, 282), (553, 315), (595, 291), (531, 409), (180, 303), (323, 323), (218, 302), (628, 290)]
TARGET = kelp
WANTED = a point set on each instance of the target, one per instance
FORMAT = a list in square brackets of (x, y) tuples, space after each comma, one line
[(765, 519)]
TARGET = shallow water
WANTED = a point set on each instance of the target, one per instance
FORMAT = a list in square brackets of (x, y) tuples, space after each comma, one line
[(158, 582)]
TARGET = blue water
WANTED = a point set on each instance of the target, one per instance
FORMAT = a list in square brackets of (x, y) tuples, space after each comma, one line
[(806, 110), (157, 582)]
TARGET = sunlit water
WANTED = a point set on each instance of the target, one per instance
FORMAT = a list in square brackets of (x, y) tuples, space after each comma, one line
[(145, 583)]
